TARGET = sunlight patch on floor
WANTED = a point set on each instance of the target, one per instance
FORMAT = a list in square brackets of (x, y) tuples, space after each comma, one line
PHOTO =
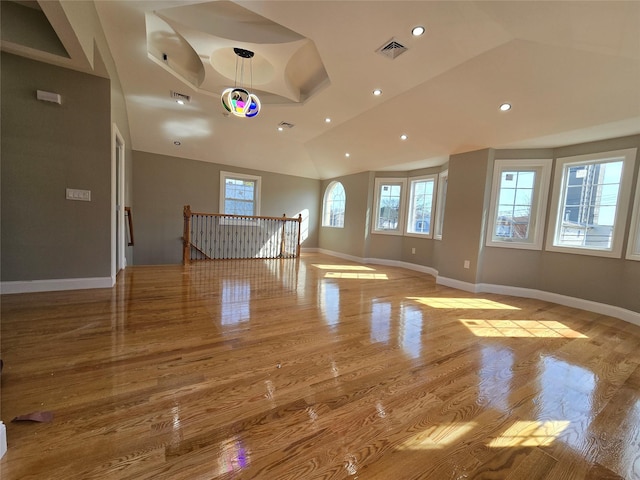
[(342, 267), (530, 434), (362, 276), (520, 329), (437, 436), (466, 303)]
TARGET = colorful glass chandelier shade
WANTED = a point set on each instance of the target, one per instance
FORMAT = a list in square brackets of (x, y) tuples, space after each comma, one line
[(240, 102), (237, 100)]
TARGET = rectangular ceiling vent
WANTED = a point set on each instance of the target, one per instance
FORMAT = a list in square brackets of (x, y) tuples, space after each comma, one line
[(286, 125), (392, 49), (180, 96)]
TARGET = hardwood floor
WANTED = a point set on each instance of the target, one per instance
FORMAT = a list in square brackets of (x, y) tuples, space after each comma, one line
[(314, 369)]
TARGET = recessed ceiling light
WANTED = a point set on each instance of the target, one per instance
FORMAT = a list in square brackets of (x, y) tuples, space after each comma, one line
[(180, 102), (347, 154), (505, 107), (403, 137), (177, 143), (280, 129), (377, 92), (417, 30), (327, 120)]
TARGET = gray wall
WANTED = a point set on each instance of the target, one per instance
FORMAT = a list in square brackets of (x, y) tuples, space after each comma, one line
[(463, 216), (354, 237), (45, 149), (426, 248), (612, 281), (162, 185)]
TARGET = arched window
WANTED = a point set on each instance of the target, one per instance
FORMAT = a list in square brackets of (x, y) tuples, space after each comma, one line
[(333, 206)]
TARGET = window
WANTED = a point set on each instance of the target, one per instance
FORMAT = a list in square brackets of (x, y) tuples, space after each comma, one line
[(239, 194), (421, 200), (518, 203), (389, 207), (633, 251), (333, 206), (590, 197), (443, 181)]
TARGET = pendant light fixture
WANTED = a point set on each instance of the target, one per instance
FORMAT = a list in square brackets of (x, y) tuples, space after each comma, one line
[(238, 100)]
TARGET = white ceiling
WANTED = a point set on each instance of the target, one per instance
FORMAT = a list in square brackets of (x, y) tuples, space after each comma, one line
[(570, 69)]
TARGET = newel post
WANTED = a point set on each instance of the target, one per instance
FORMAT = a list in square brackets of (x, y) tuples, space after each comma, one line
[(186, 235), (299, 233), (284, 223)]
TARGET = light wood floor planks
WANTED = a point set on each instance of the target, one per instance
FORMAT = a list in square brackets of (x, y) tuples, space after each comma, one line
[(314, 369)]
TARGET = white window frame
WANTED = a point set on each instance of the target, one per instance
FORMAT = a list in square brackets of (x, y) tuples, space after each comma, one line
[(326, 212), (240, 176), (628, 157), (441, 200), (379, 183), (542, 167), (633, 247), (410, 201)]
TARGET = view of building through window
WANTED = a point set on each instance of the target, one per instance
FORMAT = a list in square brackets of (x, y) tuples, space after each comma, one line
[(589, 202)]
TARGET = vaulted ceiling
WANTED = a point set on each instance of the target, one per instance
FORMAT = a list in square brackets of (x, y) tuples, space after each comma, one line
[(570, 70)]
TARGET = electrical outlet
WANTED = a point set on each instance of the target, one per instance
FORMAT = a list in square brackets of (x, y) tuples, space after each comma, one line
[(467, 264), (413, 251)]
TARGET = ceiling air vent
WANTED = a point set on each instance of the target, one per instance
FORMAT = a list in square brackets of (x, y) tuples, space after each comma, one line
[(392, 49), (180, 96), (286, 125)]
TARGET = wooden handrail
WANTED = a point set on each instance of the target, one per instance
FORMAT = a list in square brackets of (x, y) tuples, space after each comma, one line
[(257, 217), (127, 213)]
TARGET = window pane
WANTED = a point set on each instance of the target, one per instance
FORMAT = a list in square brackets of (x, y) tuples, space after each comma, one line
[(524, 196), (420, 208), (240, 195), (633, 250), (508, 179), (440, 204), (612, 172), (389, 207), (590, 205), (507, 196), (610, 194), (334, 206), (526, 179), (515, 199), (237, 207)]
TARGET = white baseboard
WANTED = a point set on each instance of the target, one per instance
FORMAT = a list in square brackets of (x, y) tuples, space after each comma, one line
[(588, 305), (31, 286), (397, 263), (457, 284), (381, 261)]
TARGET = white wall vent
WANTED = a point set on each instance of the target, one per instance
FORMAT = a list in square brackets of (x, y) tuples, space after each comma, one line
[(180, 96), (49, 97), (392, 49)]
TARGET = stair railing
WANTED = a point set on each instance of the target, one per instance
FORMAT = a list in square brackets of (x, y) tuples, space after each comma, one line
[(217, 236)]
